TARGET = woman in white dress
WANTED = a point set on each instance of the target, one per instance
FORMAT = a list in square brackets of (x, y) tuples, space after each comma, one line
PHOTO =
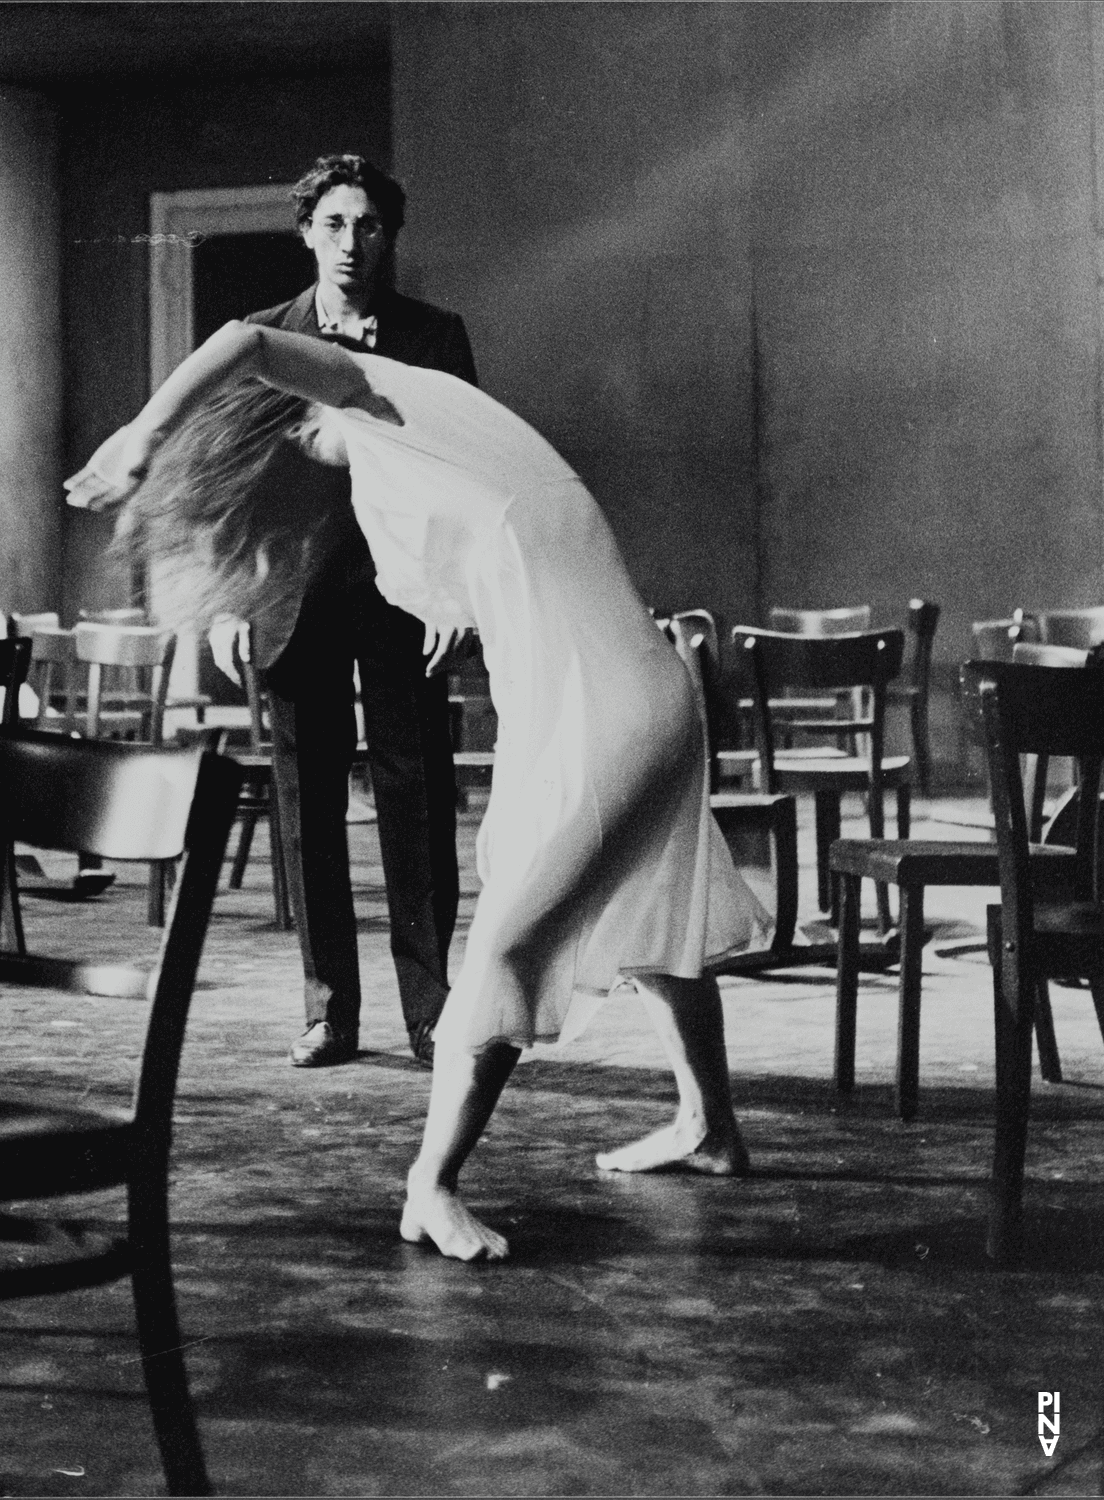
[(598, 855)]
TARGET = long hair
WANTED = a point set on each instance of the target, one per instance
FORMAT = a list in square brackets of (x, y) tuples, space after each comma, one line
[(221, 539)]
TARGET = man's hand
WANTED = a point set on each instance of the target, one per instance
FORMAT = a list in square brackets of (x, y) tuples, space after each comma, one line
[(221, 638), (442, 646)]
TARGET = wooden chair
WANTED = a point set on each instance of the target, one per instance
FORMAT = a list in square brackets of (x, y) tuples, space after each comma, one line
[(1034, 935), (128, 678), (913, 865), (759, 828), (1081, 629), (923, 617), (258, 797), (798, 714), (995, 640), (15, 660), (844, 621), (125, 802), (869, 660), (728, 760), (53, 673)]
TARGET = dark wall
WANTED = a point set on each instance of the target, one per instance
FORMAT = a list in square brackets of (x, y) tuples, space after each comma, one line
[(123, 142), (807, 293)]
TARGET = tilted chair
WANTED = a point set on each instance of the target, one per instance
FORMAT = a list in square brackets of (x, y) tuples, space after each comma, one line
[(1033, 936), (868, 660), (124, 802)]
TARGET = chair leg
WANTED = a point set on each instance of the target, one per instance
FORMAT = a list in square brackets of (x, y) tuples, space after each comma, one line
[(847, 980), (1050, 1064), (241, 856), (904, 811), (160, 1343), (11, 915), (785, 859), (876, 814), (908, 1009), (1013, 1011), (827, 831), (155, 900), (1097, 987), (921, 746)]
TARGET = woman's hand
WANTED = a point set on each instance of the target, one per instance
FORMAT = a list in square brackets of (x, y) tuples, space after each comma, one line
[(115, 470)]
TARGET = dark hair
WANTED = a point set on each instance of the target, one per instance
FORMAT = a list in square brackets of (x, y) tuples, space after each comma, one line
[(205, 511), (351, 171)]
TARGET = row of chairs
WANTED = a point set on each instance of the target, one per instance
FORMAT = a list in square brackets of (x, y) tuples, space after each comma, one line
[(1074, 629), (1051, 919), (108, 677)]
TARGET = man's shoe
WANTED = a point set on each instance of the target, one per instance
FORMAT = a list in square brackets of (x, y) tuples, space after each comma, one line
[(421, 1044), (321, 1046)]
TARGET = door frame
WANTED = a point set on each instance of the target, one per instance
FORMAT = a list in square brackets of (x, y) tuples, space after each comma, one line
[(178, 222)]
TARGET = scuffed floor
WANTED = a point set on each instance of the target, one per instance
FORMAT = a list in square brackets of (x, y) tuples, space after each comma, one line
[(828, 1326)]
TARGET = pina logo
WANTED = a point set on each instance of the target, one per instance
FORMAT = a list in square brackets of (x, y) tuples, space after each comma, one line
[(1048, 1401)]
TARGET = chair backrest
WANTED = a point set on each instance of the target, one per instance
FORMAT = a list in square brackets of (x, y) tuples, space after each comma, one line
[(778, 661), (696, 638), (260, 739), (27, 624), (820, 621), (1034, 710), (128, 802), (15, 659), (127, 616), (1077, 628), (53, 674), (923, 617), (134, 647), (1034, 654), (995, 640)]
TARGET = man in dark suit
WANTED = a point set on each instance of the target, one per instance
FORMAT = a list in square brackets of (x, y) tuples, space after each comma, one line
[(349, 214)]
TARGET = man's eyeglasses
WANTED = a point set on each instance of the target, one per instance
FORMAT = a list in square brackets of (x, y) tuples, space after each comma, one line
[(333, 226)]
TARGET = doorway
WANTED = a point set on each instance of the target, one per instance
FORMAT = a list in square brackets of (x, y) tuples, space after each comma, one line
[(215, 254)]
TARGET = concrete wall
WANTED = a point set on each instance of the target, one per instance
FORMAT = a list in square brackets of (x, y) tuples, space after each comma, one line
[(124, 141), (30, 353), (806, 293)]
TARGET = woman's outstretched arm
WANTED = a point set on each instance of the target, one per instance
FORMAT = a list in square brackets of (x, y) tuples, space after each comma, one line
[(292, 362)]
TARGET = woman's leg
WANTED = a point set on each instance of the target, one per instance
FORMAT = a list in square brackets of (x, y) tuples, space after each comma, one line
[(462, 1098), (704, 1136)]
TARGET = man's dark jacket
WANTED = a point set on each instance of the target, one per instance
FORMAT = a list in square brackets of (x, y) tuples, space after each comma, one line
[(415, 334)]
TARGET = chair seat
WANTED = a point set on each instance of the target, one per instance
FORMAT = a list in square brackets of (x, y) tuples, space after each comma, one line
[(916, 862), (48, 1148), (843, 773)]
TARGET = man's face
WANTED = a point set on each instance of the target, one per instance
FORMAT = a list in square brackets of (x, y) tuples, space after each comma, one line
[(347, 239)]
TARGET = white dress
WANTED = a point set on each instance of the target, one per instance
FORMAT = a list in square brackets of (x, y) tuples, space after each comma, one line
[(598, 853)]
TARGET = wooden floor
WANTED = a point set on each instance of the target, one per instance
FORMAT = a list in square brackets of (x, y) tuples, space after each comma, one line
[(829, 1326)]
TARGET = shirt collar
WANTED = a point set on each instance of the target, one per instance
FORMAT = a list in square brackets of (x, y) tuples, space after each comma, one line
[(364, 329)]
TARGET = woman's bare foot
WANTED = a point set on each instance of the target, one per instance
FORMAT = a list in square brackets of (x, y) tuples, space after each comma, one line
[(434, 1213), (680, 1147)]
